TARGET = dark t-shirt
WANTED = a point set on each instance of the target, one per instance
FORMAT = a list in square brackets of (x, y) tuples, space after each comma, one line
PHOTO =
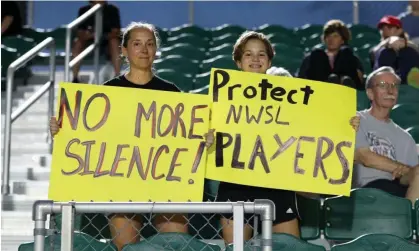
[(155, 83), (111, 18), (10, 8)]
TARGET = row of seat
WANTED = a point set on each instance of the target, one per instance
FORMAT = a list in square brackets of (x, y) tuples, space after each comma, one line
[(366, 211), (283, 242), (341, 218), (290, 44)]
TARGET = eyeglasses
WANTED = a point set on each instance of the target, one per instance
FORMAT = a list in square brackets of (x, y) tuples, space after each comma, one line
[(385, 85)]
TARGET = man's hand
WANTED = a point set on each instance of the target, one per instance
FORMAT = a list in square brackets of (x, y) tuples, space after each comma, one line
[(400, 171), (396, 43)]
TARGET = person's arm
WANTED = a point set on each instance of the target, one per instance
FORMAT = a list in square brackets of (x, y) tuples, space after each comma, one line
[(363, 155), (5, 23), (302, 71), (115, 23), (412, 160), (370, 159)]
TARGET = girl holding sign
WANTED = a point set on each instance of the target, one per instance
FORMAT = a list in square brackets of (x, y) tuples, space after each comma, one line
[(254, 53), (139, 46)]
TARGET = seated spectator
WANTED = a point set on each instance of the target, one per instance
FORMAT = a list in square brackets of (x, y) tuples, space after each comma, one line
[(278, 71), (395, 49), (11, 20), (385, 154), (337, 63), (410, 21), (110, 35)]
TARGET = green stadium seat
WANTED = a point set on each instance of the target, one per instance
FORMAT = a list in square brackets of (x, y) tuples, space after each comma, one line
[(362, 101), (211, 187), (59, 35), (206, 226), (38, 35), (202, 80), (312, 40), (224, 49), (81, 242), (308, 30), (405, 115), (367, 211), (190, 29), (189, 38), (408, 94), (417, 219), (178, 63), (288, 50), (95, 225), (364, 50), (361, 28), (203, 90), (283, 242), (277, 38), (227, 28), (225, 62), (163, 34), (290, 63), (414, 132), (8, 55), (229, 38), (20, 43), (182, 81), (370, 242), (365, 38), (171, 241), (275, 29), (184, 49), (310, 212)]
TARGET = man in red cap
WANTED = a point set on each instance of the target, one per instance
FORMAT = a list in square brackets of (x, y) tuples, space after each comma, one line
[(395, 49)]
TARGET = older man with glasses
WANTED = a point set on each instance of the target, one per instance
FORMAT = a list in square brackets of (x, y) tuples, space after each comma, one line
[(385, 155)]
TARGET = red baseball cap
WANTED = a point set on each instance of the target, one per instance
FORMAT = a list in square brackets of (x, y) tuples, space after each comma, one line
[(390, 20)]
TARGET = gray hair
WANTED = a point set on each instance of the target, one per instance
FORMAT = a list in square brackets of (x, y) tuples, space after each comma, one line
[(383, 69), (278, 71)]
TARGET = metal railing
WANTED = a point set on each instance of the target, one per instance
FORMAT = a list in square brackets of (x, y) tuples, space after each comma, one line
[(97, 10), (265, 209), (11, 117)]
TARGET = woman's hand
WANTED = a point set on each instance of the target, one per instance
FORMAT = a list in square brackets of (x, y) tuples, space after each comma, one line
[(209, 138), (354, 122), (54, 127)]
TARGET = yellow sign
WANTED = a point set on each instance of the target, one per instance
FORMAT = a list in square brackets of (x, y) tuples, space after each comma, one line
[(125, 144), (281, 132)]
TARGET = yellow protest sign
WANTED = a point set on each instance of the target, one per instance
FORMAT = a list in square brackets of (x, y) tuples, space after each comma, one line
[(281, 132), (125, 144)]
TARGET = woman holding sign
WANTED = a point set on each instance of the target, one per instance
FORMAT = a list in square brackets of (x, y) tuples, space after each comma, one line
[(139, 46), (254, 53)]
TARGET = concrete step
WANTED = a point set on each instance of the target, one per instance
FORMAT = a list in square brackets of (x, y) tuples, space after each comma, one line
[(34, 173), (30, 188), (27, 137), (17, 223), (15, 202), (11, 242), (30, 160)]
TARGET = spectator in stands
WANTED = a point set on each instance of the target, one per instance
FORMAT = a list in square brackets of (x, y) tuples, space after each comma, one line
[(279, 71), (11, 20), (253, 52), (395, 49), (385, 155), (337, 63), (111, 30), (139, 46), (410, 21)]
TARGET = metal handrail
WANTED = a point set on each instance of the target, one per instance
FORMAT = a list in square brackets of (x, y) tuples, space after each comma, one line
[(98, 11), (10, 118)]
